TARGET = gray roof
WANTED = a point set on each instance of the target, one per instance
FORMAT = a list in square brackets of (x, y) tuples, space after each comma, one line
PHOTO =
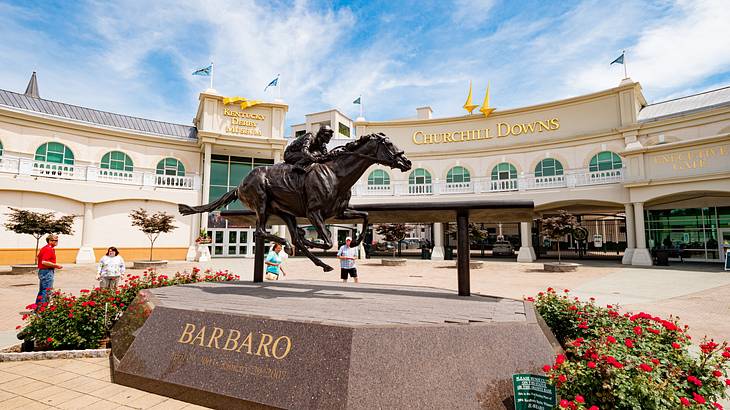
[(686, 105), (103, 118)]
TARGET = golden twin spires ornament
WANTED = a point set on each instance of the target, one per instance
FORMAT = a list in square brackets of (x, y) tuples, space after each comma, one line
[(468, 105), (486, 110)]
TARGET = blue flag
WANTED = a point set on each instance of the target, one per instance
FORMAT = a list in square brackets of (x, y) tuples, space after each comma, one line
[(273, 83), (357, 101), (619, 60), (204, 71)]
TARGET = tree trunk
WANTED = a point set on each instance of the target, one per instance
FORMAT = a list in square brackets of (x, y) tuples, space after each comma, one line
[(152, 244), (558, 251), (35, 255)]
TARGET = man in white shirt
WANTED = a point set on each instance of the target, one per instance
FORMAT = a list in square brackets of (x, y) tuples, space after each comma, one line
[(347, 256)]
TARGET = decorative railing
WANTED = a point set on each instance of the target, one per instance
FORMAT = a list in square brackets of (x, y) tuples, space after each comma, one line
[(90, 173), (571, 179)]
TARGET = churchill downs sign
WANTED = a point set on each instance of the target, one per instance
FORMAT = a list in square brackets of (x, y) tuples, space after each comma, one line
[(502, 129)]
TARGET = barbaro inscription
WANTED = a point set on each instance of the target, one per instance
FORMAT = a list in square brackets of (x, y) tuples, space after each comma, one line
[(255, 343)]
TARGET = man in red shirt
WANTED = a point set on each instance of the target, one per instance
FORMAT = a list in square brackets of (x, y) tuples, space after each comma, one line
[(46, 267)]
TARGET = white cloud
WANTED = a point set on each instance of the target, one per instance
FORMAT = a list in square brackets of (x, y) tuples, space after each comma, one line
[(472, 11)]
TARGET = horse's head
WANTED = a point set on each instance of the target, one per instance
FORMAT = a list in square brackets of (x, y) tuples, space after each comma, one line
[(386, 153)]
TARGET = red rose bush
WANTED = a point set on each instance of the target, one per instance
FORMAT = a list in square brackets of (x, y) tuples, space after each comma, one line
[(617, 360), (80, 322)]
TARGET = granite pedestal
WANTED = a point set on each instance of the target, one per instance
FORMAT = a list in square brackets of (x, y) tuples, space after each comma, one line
[(307, 345)]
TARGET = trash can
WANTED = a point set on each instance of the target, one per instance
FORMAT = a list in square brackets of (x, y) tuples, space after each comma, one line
[(448, 253), (425, 253), (662, 257)]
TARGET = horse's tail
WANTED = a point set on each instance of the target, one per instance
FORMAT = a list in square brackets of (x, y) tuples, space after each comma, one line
[(226, 199)]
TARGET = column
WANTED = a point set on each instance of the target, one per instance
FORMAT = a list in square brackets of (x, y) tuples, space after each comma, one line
[(527, 252), (192, 254), (641, 254), (86, 252), (462, 256), (438, 242), (630, 236)]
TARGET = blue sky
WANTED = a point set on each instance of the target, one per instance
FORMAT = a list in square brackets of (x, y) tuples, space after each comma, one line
[(136, 57)]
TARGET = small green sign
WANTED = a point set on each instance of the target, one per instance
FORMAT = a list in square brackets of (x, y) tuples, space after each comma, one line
[(533, 392)]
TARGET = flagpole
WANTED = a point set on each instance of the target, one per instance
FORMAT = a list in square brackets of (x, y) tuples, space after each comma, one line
[(360, 105), (278, 87), (211, 75), (625, 70)]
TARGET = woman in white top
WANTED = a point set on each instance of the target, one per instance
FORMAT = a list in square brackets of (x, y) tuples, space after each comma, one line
[(111, 267)]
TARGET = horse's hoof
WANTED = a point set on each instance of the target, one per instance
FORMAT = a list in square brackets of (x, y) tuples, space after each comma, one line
[(327, 268)]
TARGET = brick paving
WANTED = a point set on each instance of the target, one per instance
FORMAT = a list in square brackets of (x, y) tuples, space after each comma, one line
[(698, 292)]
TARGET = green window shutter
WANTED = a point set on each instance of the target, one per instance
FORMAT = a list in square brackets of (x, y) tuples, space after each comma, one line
[(548, 167), (504, 170), (378, 177), (605, 161)]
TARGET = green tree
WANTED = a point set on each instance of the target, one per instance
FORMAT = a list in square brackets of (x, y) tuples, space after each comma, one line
[(393, 233), (556, 227), (152, 225), (38, 224)]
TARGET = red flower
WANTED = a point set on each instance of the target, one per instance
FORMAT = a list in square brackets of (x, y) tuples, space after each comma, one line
[(717, 373), (637, 330), (564, 403), (84, 291), (577, 342), (594, 408), (611, 339), (70, 315), (560, 359), (655, 361), (699, 399), (92, 303), (629, 343), (708, 347), (695, 380), (572, 307), (562, 378), (609, 306), (617, 365), (580, 399), (652, 330), (685, 401), (583, 325), (32, 306), (726, 355), (17, 327), (645, 367), (717, 405), (675, 345), (591, 365), (566, 291), (546, 368), (49, 340), (727, 382)]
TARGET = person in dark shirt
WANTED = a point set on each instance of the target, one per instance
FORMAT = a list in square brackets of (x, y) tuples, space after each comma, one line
[(308, 149)]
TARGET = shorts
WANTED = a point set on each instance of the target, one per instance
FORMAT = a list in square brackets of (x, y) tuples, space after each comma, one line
[(348, 271)]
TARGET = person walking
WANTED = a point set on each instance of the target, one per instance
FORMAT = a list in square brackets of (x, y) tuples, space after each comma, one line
[(111, 268), (347, 256), (273, 263), (47, 268)]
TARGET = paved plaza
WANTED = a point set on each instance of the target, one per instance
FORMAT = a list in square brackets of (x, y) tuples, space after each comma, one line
[(697, 292)]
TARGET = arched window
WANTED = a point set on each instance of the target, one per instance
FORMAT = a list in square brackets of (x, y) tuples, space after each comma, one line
[(504, 170), (419, 182), (171, 166), (54, 152), (117, 160), (549, 167), (379, 177), (419, 176), (458, 174), (605, 161)]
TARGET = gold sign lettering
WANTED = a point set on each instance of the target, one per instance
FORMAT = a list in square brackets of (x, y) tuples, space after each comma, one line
[(693, 159), (267, 344), (243, 123), (503, 130)]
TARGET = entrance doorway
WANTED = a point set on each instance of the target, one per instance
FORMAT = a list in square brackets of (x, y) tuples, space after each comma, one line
[(723, 234), (231, 242)]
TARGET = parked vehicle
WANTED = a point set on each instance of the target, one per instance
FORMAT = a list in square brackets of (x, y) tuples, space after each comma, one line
[(502, 248)]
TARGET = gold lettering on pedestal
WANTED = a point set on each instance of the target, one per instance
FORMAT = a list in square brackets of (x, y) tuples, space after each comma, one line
[(268, 345)]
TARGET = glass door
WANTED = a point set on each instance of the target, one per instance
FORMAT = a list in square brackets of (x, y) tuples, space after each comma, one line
[(231, 242), (723, 234)]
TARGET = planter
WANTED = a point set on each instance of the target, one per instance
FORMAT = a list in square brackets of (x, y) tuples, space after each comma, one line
[(149, 264), (22, 269), (203, 241), (393, 262), (53, 354), (560, 267)]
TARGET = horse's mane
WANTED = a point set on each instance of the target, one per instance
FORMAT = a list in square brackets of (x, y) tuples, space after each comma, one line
[(353, 146)]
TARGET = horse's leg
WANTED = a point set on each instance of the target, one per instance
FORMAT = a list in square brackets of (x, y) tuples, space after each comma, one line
[(291, 223), (352, 213), (261, 217), (316, 219)]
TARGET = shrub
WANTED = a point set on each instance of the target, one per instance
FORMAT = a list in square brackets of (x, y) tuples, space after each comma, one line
[(629, 361), (80, 322)]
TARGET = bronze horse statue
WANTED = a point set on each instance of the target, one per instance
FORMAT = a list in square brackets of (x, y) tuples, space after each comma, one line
[(322, 192)]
